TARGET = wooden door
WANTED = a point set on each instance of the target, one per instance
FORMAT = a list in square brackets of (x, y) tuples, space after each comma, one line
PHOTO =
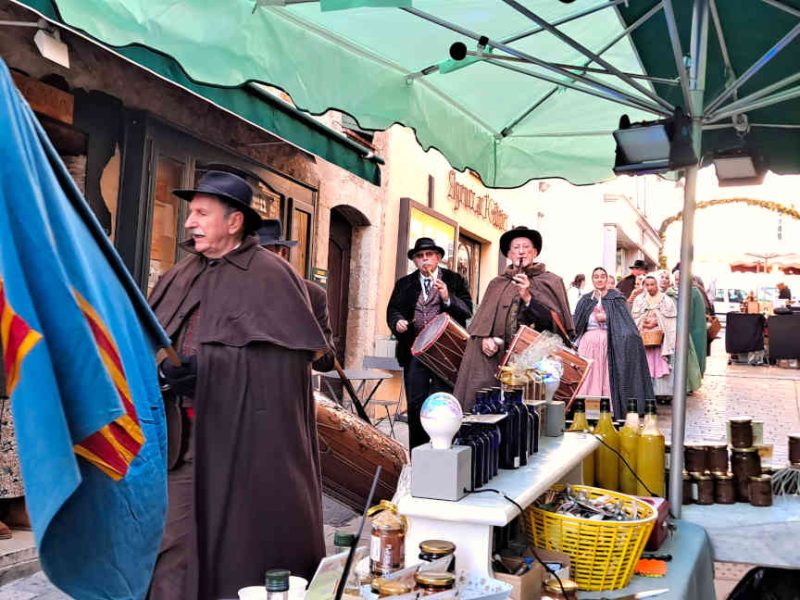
[(339, 251)]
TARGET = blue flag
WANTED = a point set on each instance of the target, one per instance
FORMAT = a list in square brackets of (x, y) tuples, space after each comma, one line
[(80, 371)]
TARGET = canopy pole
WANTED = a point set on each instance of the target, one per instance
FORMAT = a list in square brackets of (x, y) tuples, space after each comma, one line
[(697, 77)]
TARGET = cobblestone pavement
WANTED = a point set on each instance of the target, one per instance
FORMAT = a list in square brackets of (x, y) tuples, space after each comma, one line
[(768, 394)]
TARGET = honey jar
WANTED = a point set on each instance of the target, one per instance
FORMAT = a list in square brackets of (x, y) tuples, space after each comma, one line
[(429, 583)]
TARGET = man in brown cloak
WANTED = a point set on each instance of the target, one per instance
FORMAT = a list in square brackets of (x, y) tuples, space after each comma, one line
[(244, 491), (526, 294), (270, 236)]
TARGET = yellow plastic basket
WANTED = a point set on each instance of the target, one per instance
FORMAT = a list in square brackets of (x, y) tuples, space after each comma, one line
[(603, 553)]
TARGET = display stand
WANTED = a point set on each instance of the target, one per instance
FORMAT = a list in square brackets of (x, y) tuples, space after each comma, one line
[(468, 523)]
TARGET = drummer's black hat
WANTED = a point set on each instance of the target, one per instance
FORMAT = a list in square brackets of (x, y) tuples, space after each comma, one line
[(425, 243), (639, 264), (271, 234), (230, 189), (520, 232)]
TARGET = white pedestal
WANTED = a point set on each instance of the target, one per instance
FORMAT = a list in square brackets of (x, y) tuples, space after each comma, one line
[(468, 523)]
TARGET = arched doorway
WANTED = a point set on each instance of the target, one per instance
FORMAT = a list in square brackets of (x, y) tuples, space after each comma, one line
[(340, 243), (340, 252)]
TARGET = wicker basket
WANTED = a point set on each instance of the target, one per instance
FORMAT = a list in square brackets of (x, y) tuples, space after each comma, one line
[(603, 553), (652, 337)]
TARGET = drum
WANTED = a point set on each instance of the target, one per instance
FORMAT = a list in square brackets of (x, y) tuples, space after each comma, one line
[(440, 346), (350, 449), (576, 368)]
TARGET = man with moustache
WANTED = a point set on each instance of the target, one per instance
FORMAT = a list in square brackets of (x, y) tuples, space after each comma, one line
[(416, 299), (244, 495)]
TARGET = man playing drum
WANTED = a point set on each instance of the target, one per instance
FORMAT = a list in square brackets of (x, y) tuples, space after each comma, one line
[(416, 299)]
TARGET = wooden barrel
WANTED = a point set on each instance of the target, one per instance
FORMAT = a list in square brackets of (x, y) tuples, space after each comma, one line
[(350, 450)]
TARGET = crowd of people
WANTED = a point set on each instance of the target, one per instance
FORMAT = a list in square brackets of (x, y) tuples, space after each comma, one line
[(239, 404)]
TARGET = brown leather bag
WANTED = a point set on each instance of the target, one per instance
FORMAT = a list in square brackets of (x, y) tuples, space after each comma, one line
[(714, 327)]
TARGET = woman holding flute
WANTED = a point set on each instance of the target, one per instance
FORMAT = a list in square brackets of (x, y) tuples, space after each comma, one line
[(525, 294)]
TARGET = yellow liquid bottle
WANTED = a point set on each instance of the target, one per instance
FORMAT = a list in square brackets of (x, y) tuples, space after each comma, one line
[(650, 455), (628, 444), (606, 461), (580, 424)]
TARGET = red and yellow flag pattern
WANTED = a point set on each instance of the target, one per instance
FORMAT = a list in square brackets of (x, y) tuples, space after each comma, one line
[(112, 448), (18, 339)]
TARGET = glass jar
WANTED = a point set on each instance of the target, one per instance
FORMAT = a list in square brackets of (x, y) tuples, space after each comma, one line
[(393, 587), (717, 457), (741, 432), (343, 540), (724, 488), (688, 494), (705, 488), (429, 583), (745, 463), (553, 590), (431, 550), (761, 490), (387, 542), (695, 458), (794, 449)]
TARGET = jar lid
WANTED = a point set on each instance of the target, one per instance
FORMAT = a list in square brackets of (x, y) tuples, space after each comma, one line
[(375, 584), (693, 445), (724, 476), (717, 445), (344, 538), (437, 547), (277, 580), (741, 419), (553, 586), (393, 587), (435, 579), (761, 478), (752, 449), (700, 476)]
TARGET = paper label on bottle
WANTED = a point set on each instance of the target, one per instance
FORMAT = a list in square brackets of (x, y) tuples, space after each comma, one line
[(516, 462), (375, 548)]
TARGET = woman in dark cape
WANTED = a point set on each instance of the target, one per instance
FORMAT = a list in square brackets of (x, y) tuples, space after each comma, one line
[(626, 361)]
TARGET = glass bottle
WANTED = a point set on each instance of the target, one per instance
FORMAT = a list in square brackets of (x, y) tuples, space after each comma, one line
[(580, 424), (606, 465), (535, 421), (524, 426), (650, 455), (628, 444), (509, 456), (277, 584), (481, 406), (342, 540)]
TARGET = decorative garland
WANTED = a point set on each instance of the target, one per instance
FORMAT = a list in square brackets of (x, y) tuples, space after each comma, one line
[(767, 204)]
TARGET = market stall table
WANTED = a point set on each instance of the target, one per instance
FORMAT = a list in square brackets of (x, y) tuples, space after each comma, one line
[(690, 573), (468, 523), (740, 533)]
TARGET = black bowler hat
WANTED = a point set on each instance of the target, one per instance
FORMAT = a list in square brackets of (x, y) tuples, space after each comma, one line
[(639, 264), (269, 234), (231, 189), (425, 243), (520, 232)]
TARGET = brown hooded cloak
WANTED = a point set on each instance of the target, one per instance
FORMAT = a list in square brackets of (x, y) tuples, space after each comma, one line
[(493, 319), (257, 497)]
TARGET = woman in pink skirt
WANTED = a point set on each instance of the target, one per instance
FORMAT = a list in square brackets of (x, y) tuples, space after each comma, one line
[(593, 344), (655, 311), (607, 335)]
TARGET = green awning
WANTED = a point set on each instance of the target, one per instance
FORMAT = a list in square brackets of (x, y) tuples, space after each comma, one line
[(263, 110)]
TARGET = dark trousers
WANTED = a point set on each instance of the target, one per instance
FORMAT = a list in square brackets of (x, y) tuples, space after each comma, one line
[(170, 577), (420, 383)]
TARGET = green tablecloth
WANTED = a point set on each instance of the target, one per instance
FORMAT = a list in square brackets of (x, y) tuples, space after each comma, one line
[(690, 573)]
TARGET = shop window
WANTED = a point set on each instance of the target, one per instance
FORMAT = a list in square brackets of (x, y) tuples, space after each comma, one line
[(166, 218), (468, 263), (302, 218)]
